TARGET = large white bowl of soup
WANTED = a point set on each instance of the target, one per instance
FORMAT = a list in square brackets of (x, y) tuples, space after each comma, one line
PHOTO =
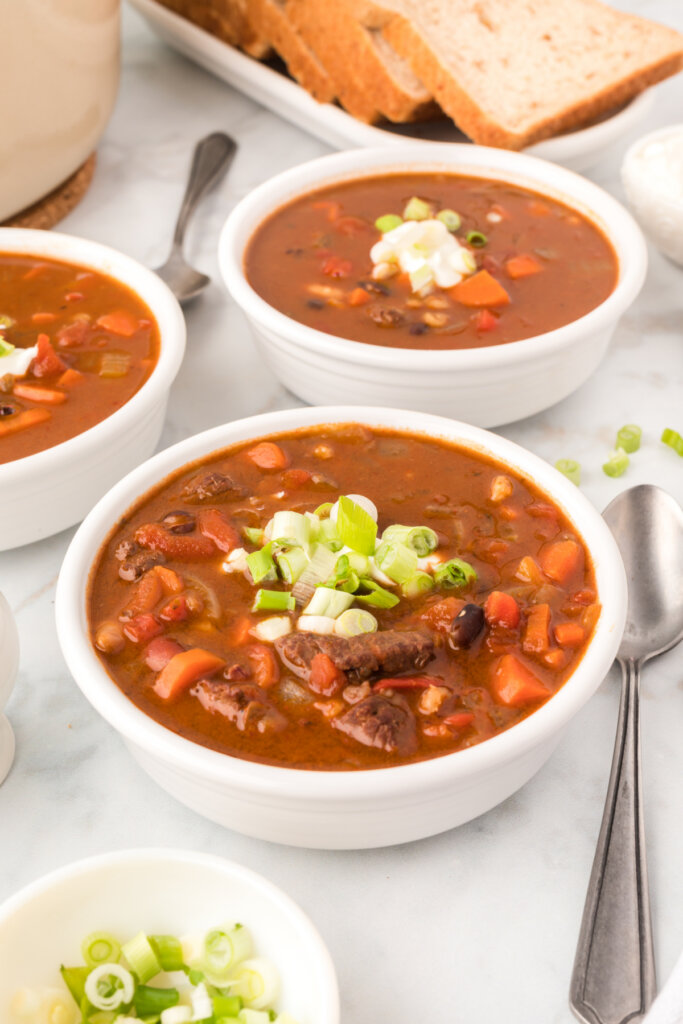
[(464, 281), (341, 627), (90, 343)]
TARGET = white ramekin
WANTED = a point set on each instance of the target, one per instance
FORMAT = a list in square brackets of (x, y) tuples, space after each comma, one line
[(340, 810), (659, 214), (485, 386), (53, 489), (162, 891), (9, 664)]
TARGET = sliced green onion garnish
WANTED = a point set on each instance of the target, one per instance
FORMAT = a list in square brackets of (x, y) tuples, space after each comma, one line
[(397, 561), (418, 584), (256, 981), (273, 601), (261, 565), (5, 347), (628, 438), (6, 321), (150, 1002), (224, 949), (358, 563), (570, 469), (355, 621), (329, 602), (324, 509), (356, 527), (450, 218), (291, 564), (417, 209), (100, 948), (673, 439), (421, 539), (617, 463), (376, 596), (74, 979), (292, 527), (141, 958), (226, 1006), (455, 574), (345, 577), (420, 277), (254, 534), (168, 951), (388, 222), (110, 986), (328, 535), (319, 569), (476, 239)]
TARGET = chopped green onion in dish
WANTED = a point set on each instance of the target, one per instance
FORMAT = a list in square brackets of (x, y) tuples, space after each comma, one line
[(141, 956), (396, 560), (476, 239), (617, 463), (273, 601), (291, 564), (291, 528), (5, 347), (6, 322), (422, 539), (168, 951), (571, 469), (450, 218), (356, 527), (261, 565), (271, 629), (454, 574), (420, 583), (388, 222), (330, 602), (673, 439), (324, 509), (375, 595), (417, 209), (254, 534), (354, 622), (100, 948), (628, 438)]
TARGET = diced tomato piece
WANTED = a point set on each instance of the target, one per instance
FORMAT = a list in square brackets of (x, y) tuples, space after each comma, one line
[(561, 560), (159, 652), (492, 549), (175, 610), (213, 524), (407, 683), (268, 455), (171, 582), (459, 720), (480, 290), (183, 547), (335, 266), (585, 596), (514, 684), (325, 677), (147, 592), (523, 265), (485, 320), (440, 615), (333, 209), (264, 665), (142, 628), (184, 669), (541, 510), (73, 334), (536, 638), (359, 297), (47, 362), (351, 226), (569, 634), (501, 609), (296, 477), (119, 322)]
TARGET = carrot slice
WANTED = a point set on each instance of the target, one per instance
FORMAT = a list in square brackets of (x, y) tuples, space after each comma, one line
[(481, 289), (43, 318), (267, 455), (514, 684), (358, 297), (523, 265), (501, 609), (561, 560), (119, 322), (35, 393), (537, 633), (171, 582), (46, 362), (184, 669), (569, 634), (22, 420), (70, 378)]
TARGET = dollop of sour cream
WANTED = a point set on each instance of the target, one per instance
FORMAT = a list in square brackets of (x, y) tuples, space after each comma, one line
[(17, 361), (652, 174), (660, 160), (425, 250)]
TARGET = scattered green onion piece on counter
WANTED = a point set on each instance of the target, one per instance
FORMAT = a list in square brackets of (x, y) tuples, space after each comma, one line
[(356, 527), (273, 601), (328, 535), (329, 602), (571, 469), (673, 439), (150, 1001), (376, 596), (291, 564), (5, 347), (455, 574), (628, 438), (100, 948), (417, 209), (324, 509), (141, 957), (418, 584), (477, 239), (421, 539), (388, 222), (254, 534), (397, 561), (292, 527), (168, 951), (74, 979), (616, 464), (450, 218), (355, 621), (261, 565)]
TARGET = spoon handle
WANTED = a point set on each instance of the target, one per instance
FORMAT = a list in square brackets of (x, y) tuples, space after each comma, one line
[(211, 159), (614, 970)]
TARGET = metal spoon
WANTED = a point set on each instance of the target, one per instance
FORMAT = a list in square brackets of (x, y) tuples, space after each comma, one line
[(614, 970), (212, 157)]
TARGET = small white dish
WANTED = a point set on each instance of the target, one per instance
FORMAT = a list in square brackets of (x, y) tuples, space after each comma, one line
[(652, 175), (161, 892), (356, 809), (9, 664), (485, 386), (579, 150), (53, 489)]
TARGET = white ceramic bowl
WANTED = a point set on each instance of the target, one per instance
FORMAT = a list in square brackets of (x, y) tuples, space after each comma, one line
[(657, 209), (53, 489), (341, 810), (9, 663), (161, 892), (485, 386)]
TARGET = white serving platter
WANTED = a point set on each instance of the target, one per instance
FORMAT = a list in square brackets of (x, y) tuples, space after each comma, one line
[(271, 87)]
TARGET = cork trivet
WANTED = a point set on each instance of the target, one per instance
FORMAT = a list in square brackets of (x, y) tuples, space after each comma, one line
[(53, 207)]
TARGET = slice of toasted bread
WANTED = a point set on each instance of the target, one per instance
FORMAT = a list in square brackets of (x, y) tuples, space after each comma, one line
[(271, 19), (512, 74), (228, 20)]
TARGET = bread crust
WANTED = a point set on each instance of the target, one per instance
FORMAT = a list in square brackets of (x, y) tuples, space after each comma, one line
[(228, 20), (302, 63)]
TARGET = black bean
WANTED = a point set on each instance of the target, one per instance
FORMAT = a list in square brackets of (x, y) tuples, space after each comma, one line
[(418, 329), (315, 304), (7, 410), (179, 521), (377, 287), (466, 626)]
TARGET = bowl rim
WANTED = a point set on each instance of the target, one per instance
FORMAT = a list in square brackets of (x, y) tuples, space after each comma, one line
[(353, 787), (529, 171), (172, 336), (324, 966)]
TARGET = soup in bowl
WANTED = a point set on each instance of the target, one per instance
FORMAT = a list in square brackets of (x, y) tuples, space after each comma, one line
[(341, 616)]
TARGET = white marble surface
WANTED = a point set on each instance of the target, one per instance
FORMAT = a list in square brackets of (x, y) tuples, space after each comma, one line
[(477, 925)]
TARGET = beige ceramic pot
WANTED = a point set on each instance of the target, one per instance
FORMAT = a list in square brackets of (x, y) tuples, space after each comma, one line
[(60, 72)]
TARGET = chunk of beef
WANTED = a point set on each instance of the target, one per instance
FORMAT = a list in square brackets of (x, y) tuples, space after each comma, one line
[(138, 562), (391, 651), (244, 704), (210, 486), (379, 722)]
